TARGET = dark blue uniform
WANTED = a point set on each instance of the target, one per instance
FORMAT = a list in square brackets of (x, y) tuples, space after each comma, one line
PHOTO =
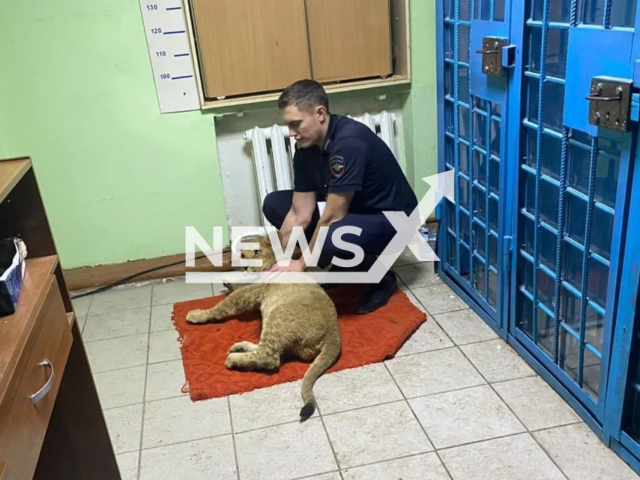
[(356, 160)]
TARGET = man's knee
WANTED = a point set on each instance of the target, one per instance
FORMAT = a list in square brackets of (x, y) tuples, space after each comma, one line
[(276, 205)]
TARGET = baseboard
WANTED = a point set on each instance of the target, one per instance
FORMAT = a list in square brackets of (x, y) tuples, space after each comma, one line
[(99, 275)]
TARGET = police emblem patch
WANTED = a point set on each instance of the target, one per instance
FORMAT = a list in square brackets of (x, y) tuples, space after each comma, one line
[(337, 166)]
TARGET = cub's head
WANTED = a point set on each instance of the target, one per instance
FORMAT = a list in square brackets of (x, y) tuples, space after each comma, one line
[(264, 252)]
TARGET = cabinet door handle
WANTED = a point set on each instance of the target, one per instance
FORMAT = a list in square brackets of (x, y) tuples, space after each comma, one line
[(39, 395)]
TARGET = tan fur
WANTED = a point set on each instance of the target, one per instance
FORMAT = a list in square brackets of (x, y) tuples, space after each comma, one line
[(298, 320)]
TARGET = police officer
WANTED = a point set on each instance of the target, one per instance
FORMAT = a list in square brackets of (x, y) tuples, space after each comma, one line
[(344, 162)]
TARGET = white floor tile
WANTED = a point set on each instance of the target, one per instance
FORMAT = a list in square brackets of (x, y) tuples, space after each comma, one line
[(161, 318), (418, 467), (165, 380), (124, 425), (433, 372), (177, 290), (497, 361), (128, 465), (116, 324), (427, 338), (81, 305), (117, 353), (164, 346), (179, 419), (439, 299), (375, 433), (464, 416), (512, 458), (122, 387), (285, 452), (536, 404), (124, 298), (355, 388), (581, 455), (465, 327), (208, 459), (266, 407)]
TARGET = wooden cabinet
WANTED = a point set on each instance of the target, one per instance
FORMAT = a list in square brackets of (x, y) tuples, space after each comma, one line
[(349, 39), (250, 50), (51, 421), (248, 46), (24, 422)]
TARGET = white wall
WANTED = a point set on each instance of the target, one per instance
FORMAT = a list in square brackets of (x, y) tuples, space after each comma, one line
[(236, 162)]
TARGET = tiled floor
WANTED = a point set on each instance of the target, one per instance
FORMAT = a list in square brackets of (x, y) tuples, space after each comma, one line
[(455, 403)]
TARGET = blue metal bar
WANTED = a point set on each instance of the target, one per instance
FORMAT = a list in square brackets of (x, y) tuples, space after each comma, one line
[(585, 256), (450, 21), (480, 258), (554, 25), (481, 224), (542, 224), (456, 122), (492, 8), (536, 234), (606, 21), (573, 20), (472, 7), (487, 189), (544, 177), (567, 328), (483, 189), (536, 76), (546, 131), (570, 288), (585, 198), (485, 262), (559, 239)]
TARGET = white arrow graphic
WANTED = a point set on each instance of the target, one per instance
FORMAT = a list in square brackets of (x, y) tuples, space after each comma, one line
[(442, 186)]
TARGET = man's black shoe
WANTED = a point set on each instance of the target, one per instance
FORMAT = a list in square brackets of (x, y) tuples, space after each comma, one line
[(378, 295)]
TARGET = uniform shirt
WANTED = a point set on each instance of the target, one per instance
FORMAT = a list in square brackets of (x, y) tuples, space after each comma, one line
[(354, 159)]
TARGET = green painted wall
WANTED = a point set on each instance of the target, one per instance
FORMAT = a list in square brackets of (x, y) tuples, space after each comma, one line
[(120, 181), (420, 114)]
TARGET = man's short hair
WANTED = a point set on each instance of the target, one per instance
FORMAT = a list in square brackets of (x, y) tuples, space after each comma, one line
[(304, 95)]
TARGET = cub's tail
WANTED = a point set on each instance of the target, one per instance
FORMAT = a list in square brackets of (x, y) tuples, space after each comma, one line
[(328, 355)]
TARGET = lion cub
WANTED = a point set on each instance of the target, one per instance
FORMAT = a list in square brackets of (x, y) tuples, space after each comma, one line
[(298, 320)]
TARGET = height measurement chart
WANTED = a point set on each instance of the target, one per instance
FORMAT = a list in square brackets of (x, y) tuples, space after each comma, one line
[(171, 57)]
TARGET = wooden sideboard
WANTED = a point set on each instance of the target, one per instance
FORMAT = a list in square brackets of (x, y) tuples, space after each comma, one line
[(51, 421)]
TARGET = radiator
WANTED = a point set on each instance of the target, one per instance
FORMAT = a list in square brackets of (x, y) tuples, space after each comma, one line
[(273, 152)]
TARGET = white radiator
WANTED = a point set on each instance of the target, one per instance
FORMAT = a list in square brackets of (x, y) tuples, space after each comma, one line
[(273, 152)]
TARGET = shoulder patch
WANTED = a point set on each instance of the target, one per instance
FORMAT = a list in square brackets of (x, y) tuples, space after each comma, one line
[(337, 166)]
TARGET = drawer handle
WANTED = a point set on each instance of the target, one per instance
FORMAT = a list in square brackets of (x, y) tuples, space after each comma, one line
[(39, 395)]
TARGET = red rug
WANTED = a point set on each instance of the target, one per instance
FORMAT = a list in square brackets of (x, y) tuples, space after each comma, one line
[(366, 339)]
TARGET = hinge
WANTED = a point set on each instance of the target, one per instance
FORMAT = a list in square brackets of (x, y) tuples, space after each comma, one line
[(507, 249)]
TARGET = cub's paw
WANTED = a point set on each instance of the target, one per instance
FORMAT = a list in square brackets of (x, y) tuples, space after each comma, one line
[(232, 361), (242, 347), (198, 316)]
